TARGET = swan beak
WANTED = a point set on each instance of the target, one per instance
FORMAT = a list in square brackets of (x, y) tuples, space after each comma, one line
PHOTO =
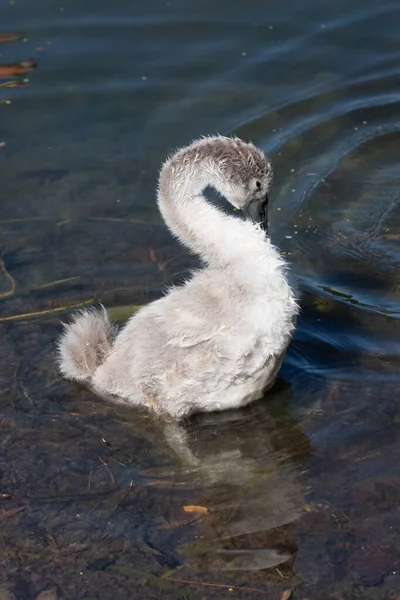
[(257, 211)]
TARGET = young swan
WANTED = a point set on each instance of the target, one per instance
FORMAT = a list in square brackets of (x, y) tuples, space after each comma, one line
[(218, 341)]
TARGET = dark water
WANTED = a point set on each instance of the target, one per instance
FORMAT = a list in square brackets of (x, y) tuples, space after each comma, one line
[(303, 488)]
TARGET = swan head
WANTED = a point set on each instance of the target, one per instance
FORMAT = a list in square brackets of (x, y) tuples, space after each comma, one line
[(238, 170), (242, 174), (246, 176)]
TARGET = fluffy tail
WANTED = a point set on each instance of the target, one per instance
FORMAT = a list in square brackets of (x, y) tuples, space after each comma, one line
[(85, 343)]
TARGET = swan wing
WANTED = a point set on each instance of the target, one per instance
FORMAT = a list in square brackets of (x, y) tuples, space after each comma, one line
[(192, 329)]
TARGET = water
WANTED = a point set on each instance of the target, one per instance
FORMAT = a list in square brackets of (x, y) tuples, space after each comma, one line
[(303, 488)]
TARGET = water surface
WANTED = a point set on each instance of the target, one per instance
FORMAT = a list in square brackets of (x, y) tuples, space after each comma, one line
[(301, 489)]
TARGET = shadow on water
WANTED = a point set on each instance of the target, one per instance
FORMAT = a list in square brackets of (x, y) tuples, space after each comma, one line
[(297, 494)]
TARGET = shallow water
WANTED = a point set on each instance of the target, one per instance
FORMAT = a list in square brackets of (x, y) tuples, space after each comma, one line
[(302, 489)]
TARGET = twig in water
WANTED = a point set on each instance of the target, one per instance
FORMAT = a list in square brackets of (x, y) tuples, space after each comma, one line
[(130, 487), (218, 585), (10, 279), (108, 469), (10, 513), (27, 396), (57, 282), (48, 311), (90, 480), (280, 573)]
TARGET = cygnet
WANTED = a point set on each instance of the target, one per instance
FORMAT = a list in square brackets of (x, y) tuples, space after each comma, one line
[(218, 341)]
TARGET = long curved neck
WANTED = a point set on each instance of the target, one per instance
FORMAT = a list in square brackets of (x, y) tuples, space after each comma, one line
[(218, 238)]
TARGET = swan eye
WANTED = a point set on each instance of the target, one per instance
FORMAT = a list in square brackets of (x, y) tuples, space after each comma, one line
[(258, 184)]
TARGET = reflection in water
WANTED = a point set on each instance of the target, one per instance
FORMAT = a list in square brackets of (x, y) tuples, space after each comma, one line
[(244, 468)]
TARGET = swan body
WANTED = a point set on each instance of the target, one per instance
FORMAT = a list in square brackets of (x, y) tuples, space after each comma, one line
[(218, 341)]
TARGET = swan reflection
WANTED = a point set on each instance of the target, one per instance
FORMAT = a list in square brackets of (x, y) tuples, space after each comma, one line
[(243, 470)]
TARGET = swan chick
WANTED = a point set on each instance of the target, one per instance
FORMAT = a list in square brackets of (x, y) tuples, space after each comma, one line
[(218, 341)]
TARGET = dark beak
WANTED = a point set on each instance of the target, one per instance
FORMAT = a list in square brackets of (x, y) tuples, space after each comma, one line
[(257, 211)]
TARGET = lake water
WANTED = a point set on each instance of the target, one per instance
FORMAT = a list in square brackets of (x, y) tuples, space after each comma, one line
[(299, 492)]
